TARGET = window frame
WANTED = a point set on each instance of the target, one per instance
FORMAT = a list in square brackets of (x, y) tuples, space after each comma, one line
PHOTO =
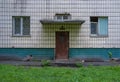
[(21, 26), (97, 34), (62, 17)]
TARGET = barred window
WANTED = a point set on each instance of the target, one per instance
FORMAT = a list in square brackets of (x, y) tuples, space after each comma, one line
[(21, 25)]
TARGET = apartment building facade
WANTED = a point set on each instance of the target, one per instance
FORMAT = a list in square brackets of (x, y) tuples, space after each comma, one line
[(60, 29)]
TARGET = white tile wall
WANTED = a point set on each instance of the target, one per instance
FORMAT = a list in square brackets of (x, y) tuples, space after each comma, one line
[(44, 37)]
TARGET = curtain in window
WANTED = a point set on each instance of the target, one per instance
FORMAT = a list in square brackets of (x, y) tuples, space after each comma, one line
[(103, 26)]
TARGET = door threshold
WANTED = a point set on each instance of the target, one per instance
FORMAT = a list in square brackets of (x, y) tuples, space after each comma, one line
[(61, 60)]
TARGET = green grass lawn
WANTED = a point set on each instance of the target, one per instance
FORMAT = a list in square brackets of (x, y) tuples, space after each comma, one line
[(10, 73)]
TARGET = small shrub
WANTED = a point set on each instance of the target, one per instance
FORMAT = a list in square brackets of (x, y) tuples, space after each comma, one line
[(45, 62), (78, 64), (110, 54)]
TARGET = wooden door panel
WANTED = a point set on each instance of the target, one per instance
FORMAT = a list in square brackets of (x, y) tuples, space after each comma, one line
[(62, 45)]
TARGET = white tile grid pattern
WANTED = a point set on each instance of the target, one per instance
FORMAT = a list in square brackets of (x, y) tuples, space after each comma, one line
[(44, 37)]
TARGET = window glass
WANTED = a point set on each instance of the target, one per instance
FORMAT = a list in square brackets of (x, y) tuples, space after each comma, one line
[(59, 17), (65, 17), (62, 16), (17, 26), (94, 19), (26, 26), (93, 28)]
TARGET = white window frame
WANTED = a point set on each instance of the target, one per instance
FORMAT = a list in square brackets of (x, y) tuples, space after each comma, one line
[(62, 17), (21, 26), (97, 33)]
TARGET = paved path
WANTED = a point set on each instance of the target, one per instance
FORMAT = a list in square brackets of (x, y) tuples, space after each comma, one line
[(29, 63), (38, 63)]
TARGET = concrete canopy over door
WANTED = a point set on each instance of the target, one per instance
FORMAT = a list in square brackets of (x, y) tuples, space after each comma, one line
[(61, 35)]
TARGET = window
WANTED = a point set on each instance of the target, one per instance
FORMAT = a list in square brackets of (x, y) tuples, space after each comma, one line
[(62, 17), (99, 26), (21, 26)]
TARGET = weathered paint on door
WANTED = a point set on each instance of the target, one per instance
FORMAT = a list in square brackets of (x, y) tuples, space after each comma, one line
[(62, 45)]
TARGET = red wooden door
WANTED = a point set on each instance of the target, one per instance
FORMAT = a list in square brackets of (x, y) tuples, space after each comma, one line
[(62, 45)]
